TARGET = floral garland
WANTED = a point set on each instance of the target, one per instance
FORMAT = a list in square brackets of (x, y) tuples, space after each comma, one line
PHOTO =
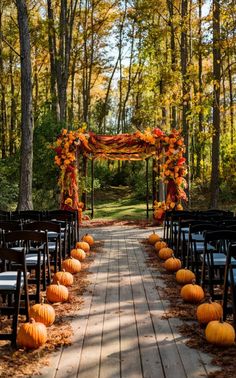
[(65, 159), (168, 149), (173, 171)]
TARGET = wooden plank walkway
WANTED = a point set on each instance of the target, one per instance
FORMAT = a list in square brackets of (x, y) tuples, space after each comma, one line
[(120, 331)]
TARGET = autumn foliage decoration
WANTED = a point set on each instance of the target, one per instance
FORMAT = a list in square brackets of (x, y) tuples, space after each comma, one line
[(173, 170), (65, 159), (168, 150)]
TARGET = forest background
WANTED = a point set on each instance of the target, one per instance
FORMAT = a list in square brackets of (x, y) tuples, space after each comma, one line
[(118, 66)]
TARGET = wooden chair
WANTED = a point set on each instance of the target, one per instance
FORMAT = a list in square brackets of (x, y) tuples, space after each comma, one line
[(195, 245), (69, 225), (35, 245), (214, 260), (13, 283), (26, 215), (8, 226), (232, 273), (230, 262), (173, 232), (54, 239), (4, 215)]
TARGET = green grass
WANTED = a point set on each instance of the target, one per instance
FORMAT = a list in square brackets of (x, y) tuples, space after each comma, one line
[(117, 203)]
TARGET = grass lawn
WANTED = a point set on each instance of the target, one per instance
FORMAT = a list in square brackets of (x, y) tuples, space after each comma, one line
[(117, 203)]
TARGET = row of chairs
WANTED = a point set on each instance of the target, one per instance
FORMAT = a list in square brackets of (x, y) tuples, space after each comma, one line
[(67, 218), (206, 243), (29, 250)]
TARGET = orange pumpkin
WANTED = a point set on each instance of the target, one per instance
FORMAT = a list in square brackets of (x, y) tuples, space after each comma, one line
[(153, 238), (159, 245), (172, 264), (88, 239), (192, 293), (220, 333), (165, 253), (57, 293), (83, 245), (43, 313), (78, 254), (71, 265), (32, 335), (206, 312), (63, 277), (185, 276)]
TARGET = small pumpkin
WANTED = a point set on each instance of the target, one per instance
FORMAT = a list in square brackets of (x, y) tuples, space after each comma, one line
[(71, 265), (43, 313), (185, 276), (83, 245), (159, 245), (206, 312), (32, 335), (165, 253), (153, 238), (57, 293), (192, 293), (63, 277), (88, 239), (78, 254), (172, 264), (220, 333)]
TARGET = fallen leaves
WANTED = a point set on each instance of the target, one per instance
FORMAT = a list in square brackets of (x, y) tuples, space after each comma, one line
[(25, 363), (224, 358)]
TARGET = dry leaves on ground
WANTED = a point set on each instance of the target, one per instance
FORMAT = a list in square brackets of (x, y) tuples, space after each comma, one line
[(225, 357), (25, 363)]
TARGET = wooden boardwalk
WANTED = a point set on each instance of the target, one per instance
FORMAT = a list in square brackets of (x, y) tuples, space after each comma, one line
[(120, 330)]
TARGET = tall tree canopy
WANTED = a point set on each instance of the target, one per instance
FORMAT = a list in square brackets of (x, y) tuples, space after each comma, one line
[(124, 65)]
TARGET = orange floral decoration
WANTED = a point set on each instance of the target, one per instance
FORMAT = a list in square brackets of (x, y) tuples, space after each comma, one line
[(167, 149)]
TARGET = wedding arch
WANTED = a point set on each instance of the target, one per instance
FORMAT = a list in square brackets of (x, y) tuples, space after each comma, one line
[(166, 150)]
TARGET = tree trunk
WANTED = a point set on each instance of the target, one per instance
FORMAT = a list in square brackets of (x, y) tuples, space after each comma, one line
[(216, 106), (185, 82), (13, 108), (199, 144), (52, 54), (231, 97), (3, 120), (170, 6), (25, 190)]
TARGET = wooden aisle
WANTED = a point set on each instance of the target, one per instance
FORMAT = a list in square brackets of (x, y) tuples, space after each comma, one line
[(120, 331)]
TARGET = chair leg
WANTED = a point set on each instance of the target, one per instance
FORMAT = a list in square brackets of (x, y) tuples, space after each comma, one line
[(38, 282), (60, 255), (15, 319)]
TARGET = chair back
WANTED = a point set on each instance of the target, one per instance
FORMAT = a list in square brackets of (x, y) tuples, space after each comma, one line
[(13, 280)]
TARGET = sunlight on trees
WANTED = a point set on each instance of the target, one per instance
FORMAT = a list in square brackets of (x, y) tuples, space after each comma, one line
[(121, 66)]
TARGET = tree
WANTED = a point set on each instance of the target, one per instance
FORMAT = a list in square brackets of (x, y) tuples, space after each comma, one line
[(216, 105), (25, 189)]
